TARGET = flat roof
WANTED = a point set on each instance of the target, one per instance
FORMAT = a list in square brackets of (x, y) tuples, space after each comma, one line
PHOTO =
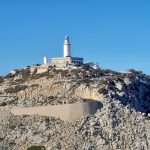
[(68, 57)]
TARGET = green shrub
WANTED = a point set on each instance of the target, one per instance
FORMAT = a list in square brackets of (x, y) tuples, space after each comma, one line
[(64, 73), (34, 85), (50, 76), (1, 79), (3, 104), (51, 97), (36, 148), (8, 76), (12, 143), (25, 72), (12, 127), (13, 101), (84, 81), (147, 118), (130, 75), (108, 71), (37, 76), (8, 90), (103, 81), (15, 89), (103, 91)]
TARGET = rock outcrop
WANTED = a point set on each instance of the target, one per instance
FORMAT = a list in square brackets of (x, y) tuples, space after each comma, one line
[(122, 122)]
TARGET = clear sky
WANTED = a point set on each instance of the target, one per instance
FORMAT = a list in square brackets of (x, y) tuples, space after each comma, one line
[(115, 33)]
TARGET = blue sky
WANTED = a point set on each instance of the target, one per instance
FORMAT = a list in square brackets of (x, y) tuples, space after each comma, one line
[(115, 33)]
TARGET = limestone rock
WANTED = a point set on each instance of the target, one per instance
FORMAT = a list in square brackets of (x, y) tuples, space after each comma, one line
[(122, 123)]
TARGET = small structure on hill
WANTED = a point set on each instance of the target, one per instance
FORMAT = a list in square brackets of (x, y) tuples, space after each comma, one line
[(67, 60), (60, 62)]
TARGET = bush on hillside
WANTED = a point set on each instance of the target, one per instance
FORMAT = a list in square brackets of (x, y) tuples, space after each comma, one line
[(3, 104), (15, 89), (103, 91), (34, 85), (108, 71), (25, 72), (9, 76), (130, 75), (1, 79), (36, 148), (65, 73), (84, 81), (40, 75)]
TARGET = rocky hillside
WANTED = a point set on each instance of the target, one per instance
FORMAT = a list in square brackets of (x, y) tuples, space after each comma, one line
[(121, 123)]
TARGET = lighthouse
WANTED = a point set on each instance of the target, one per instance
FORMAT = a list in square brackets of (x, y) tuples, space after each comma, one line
[(67, 59), (67, 47), (45, 60)]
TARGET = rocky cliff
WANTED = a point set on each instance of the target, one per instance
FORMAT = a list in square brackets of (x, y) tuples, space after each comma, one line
[(122, 121)]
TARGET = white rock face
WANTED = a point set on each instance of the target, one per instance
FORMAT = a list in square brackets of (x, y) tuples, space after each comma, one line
[(122, 123), (119, 86)]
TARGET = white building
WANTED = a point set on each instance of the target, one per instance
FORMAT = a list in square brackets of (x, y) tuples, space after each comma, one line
[(67, 59)]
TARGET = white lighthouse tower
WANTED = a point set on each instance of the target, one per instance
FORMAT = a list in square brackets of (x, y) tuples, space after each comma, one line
[(45, 60), (67, 60), (67, 47)]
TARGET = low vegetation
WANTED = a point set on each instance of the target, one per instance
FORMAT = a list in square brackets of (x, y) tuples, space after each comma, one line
[(12, 127), (3, 104), (37, 76), (34, 85), (36, 148), (84, 81), (147, 118), (9, 76), (15, 89), (103, 91), (25, 73), (1, 79)]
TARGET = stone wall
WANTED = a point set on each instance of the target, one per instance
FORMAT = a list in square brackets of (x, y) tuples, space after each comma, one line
[(61, 61)]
